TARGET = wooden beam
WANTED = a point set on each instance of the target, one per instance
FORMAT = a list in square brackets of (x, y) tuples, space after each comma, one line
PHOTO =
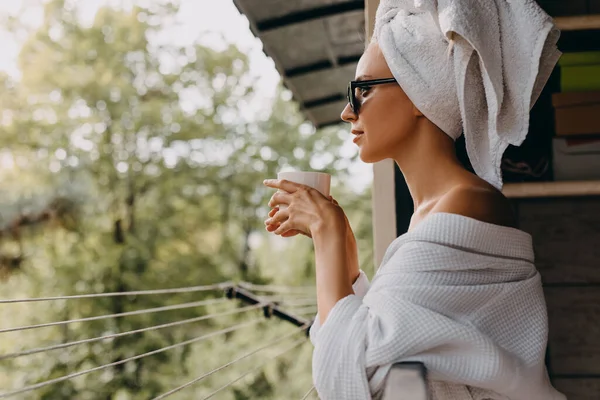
[(551, 189), (297, 17), (370, 11), (384, 199), (384, 208), (578, 23)]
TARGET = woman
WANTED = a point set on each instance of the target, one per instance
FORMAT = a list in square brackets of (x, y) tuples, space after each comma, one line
[(459, 291)]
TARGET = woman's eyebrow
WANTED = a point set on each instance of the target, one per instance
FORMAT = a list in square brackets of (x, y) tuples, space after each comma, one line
[(363, 77)]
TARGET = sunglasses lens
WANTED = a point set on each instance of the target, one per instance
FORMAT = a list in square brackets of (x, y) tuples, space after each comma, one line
[(351, 99), (349, 96)]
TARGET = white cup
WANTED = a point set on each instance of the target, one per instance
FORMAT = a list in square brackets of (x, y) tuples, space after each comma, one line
[(317, 180)]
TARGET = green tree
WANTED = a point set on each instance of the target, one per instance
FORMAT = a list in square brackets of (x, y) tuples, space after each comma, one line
[(136, 167)]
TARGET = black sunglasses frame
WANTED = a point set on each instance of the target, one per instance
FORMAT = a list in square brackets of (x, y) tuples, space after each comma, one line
[(354, 104)]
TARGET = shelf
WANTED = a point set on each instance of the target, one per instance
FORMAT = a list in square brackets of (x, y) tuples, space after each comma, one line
[(551, 189), (578, 23)]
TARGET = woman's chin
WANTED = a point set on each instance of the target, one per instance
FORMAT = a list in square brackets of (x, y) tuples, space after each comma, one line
[(366, 157)]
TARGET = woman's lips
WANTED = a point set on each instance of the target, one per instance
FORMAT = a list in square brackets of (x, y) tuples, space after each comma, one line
[(359, 136)]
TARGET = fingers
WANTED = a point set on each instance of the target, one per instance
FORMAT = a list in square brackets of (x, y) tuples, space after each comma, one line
[(291, 233), (272, 226), (278, 218), (294, 232), (280, 198), (278, 221), (282, 184), (283, 228)]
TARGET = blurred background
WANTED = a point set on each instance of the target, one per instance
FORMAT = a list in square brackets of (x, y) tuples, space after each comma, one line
[(136, 135)]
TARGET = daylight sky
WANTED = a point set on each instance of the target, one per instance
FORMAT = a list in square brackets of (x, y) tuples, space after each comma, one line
[(196, 16)]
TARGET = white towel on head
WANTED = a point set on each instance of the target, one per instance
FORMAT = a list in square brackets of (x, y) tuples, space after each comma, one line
[(502, 55)]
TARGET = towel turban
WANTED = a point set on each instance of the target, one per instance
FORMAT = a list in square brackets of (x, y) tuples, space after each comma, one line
[(475, 67)]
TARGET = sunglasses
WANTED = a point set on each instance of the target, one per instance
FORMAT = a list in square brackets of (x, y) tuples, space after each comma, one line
[(353, 85)]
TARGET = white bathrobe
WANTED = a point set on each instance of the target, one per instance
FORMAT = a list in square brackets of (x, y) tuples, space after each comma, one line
[(460, 295)]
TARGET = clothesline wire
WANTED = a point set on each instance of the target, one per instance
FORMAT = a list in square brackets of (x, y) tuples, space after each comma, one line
[(292, 297), (259, 366), (312, 389), (258, 285), (123, 314), (293, 303), (76, 374), (217, 286), (115, 335), (278, 289), (190, 383), (288, 290)]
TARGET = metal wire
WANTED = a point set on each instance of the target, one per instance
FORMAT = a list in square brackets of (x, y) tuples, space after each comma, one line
[(124, 314), (217, 286), (294, 345), (74, 375), (298, 303), (287, 298), (295, 332), (277, 289), (312, 389), (115, 335)]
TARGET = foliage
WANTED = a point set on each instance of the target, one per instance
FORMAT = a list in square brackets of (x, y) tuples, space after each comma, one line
[(137, 166)]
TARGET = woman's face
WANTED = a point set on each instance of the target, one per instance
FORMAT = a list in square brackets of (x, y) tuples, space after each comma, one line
[(386, 116)]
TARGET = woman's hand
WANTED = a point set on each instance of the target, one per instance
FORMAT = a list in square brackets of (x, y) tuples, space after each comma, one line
[(308, 212), (274, 223), (312, 214), (271, 227)]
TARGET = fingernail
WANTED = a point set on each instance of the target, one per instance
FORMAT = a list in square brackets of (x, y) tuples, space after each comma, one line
[(268, 222)]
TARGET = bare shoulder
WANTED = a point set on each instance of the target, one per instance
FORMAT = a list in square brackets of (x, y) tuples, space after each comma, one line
[(485, 204)]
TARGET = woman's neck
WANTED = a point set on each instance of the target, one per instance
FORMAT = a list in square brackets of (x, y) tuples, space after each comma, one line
[(430, 167)]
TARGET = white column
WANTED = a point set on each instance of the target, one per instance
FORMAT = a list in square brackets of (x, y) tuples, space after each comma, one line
[(384, 199)]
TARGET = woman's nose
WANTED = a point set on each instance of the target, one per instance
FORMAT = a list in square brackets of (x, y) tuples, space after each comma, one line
[(347, 114)]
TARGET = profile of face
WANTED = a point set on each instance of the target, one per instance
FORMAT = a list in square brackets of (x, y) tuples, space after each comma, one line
[(386, 117)]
